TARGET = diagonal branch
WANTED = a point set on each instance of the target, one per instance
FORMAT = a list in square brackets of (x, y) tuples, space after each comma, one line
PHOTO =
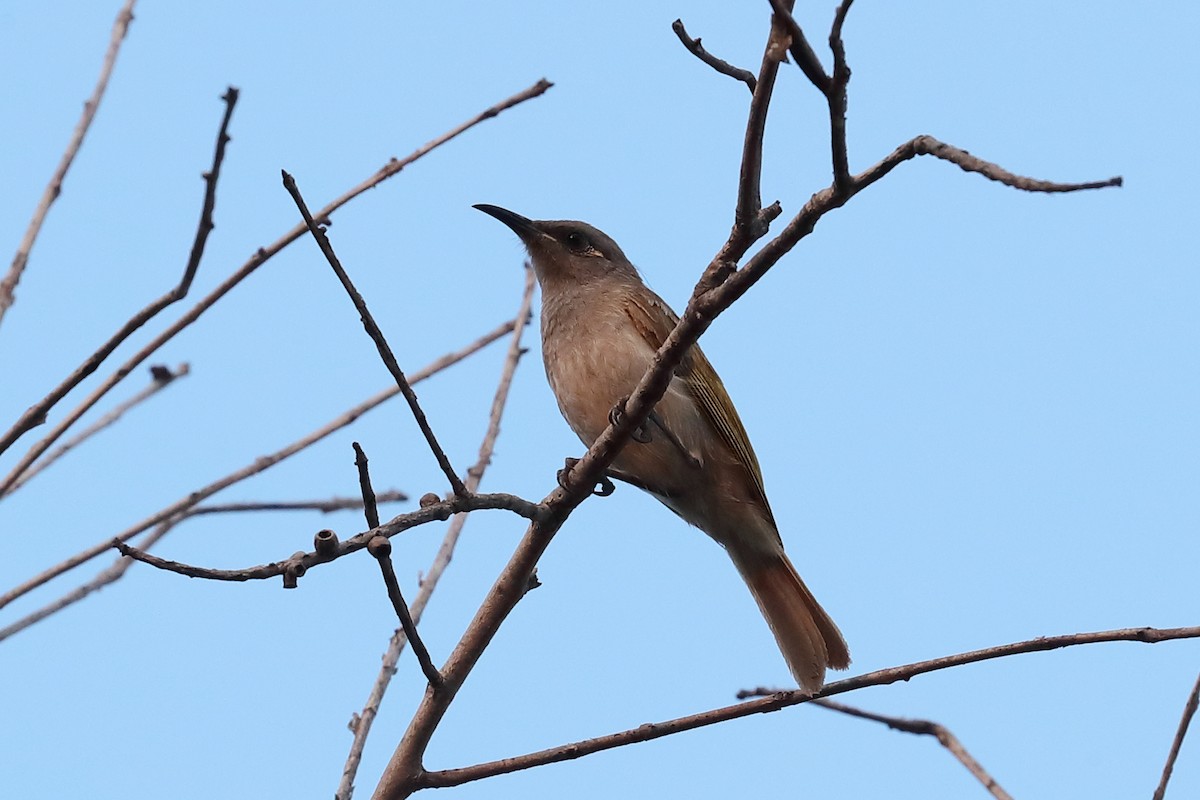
[(763, 705), (110, 574), (258, 465), (161, 378), (724, 67), (381, 548), (264, 254), (122, 563), (8, 286), (373, 330), (806, 59), (927, 728), (361, 724), (36, 414), (1189, 711)]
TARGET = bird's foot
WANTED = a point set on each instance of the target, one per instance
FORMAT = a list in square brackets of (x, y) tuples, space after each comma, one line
[(641, 433), (603, 488)]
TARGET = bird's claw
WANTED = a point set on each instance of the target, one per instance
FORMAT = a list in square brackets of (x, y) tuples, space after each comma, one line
[(603, 488), (640, 434)]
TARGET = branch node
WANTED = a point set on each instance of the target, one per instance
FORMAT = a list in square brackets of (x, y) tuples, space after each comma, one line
[(293, 570), (325, 542), (380, 547)]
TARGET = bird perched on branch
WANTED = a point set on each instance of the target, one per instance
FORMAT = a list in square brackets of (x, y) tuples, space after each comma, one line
[(601, 326)]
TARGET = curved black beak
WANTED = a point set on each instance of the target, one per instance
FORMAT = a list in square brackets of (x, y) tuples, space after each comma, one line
[(521, 226)]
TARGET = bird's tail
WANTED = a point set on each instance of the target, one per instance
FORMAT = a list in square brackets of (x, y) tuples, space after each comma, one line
[(807, 637)]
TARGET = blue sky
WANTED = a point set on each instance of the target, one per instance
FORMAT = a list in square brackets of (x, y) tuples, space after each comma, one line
[(975, 408)]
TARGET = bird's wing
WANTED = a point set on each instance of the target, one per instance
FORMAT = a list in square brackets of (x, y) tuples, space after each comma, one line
[(655, 319)]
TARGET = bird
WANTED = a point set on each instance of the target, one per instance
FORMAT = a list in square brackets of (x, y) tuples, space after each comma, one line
[(601, 326)]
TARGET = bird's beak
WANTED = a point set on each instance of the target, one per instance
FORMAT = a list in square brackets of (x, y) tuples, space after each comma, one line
[(521, 226)]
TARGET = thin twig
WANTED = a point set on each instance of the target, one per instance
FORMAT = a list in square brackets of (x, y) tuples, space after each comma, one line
[(381, 548), (393, 167), (430, 512), (370, 507), (161, 378), (36, 414), (1189, 711), (110, 574), (122, 563), (929, 146), (657, 730), (8, 286), (362, 722), (927, 728), (258, 465), (324, 506), (373, 330), (724, 67)]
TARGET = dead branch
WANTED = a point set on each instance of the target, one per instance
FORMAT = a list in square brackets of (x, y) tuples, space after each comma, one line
[(122, 563), (111, 574), (161, 378), (373, 330), (361, 725), (1189, 711), (429, 512), (724, 67), (324, 506), (258, 465), (927, 728), (657, 730), (8, 286), (393, 167), (381, 548), (36, 414)]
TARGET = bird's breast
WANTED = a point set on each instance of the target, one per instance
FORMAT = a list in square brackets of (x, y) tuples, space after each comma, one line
[(593, 358)]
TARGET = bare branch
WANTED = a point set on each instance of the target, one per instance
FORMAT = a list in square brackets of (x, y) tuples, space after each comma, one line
[(8, 286), (927, 728), (161, 379), (801, 50), (393, 167), (324, 506), (657, 730), (929, 146), (36, 414), (381, 548), (748, 227), (837, 101), (373, 330), (1189, 711), (724, 67), (258, 465), (440, 510), (111, 574), (362, 722), (370, 508), (119, 567)]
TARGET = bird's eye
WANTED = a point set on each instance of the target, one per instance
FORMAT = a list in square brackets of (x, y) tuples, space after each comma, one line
[(577, 243)]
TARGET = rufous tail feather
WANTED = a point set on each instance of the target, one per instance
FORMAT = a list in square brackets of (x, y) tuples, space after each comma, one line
[(807, 637)]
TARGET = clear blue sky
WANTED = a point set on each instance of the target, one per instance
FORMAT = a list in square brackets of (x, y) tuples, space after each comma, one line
[(976, 409)]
